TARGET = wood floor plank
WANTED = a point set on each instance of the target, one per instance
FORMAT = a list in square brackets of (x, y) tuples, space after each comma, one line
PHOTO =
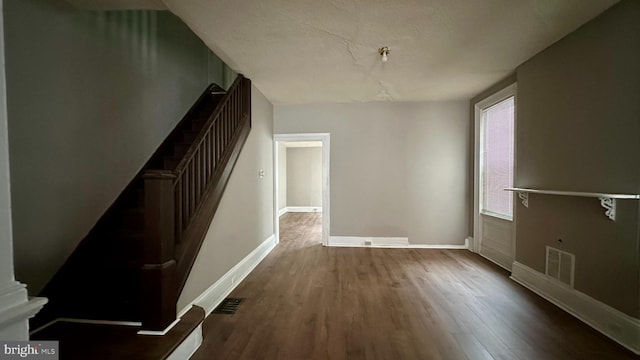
[(306, 301)]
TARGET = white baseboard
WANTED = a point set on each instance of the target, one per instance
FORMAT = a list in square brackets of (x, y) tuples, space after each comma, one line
[(387, 242), (364, 241), (470, 243), (289, 209), (214, 295), (443, 247), (497, 258), (189, 346), (613, 323)]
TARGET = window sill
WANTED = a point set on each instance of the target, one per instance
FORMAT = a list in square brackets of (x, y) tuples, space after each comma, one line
[(496, 215)]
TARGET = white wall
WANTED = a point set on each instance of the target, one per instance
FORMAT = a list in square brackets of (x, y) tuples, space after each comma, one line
[(397, 169), (304, 176), (244, 218)]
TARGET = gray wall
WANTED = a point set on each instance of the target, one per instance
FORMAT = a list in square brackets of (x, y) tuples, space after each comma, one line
[(304, 176), (90, 96), (397, 169), (282, 176), (578, 129), (244, 218)]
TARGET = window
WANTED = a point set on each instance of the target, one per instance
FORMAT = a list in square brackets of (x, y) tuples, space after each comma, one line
[(497, 139)]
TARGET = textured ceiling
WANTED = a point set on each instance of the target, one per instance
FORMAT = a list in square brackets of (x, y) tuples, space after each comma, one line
[(317, 51)]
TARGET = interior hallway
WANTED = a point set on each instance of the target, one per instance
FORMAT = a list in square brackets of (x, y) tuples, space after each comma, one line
[(306, 301)]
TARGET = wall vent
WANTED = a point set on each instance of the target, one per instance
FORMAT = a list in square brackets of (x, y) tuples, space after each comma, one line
[(228, 306), (560, 265)]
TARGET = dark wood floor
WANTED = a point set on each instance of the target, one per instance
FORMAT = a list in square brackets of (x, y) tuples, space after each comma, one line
[(306, 301)]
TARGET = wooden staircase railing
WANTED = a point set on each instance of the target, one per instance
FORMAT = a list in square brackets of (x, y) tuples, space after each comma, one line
[(180, 204), (134, 262)]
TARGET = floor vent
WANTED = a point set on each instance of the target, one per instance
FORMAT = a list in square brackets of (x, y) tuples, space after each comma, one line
[(560, 265), (228, 306)]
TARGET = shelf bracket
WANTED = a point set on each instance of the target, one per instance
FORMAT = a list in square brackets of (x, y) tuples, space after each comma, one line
[(524, 196), (609, 204)]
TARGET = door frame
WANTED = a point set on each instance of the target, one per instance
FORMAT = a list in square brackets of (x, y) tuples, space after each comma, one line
[(325, 138), (506, 92)]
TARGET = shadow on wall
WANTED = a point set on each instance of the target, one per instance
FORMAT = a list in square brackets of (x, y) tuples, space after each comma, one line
[(90, 96)]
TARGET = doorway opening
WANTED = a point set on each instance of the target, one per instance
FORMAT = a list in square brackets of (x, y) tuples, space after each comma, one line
[(301, 177)]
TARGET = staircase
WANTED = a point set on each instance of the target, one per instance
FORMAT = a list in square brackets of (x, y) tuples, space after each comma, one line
[(134, 262)]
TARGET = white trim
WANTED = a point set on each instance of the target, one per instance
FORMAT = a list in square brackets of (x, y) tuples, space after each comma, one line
[(508, 91), (160, 332), (16, 306), (390, 243), (435, 247), (466, 246), (468, 241), (98, 322), (477, 226), (189, 346), (366, 241), (289, 209), (275, 156), (214, 295), (575, 193), (496, 215), (607, 201), (12, 294), (21, 312), (325, 138), (611, 322), (87, 321)]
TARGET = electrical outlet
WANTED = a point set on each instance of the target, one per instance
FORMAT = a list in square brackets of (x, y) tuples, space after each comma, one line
[(367, 242)]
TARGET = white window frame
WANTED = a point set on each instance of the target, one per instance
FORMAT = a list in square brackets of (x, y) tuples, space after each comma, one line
[(481, 158), (503, 94)]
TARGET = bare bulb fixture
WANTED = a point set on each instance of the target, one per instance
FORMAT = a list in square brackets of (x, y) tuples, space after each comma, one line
[(384, 52)]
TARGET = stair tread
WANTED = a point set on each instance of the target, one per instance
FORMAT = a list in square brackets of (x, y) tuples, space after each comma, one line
[(97, 341)]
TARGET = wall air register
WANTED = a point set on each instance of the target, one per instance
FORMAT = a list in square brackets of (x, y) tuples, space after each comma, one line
[(228, 306), (560, 265)]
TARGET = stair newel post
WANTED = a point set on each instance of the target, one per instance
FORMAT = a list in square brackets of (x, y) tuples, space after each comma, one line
[(159, 280)]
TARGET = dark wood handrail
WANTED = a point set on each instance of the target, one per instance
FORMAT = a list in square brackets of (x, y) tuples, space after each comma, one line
[(203, 158), (214, 117), (176, 202)]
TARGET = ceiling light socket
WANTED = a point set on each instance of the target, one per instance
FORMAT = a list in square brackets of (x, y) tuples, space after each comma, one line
[(384, 52)]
